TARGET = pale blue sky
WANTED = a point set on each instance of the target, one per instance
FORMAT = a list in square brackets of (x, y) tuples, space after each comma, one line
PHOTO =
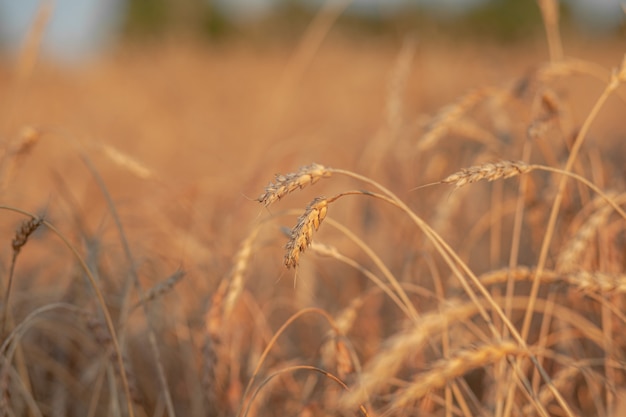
[(76, 27)]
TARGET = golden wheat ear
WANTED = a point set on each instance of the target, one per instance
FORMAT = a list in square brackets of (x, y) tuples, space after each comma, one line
[(491, 171), (288, 183), (302, 234)]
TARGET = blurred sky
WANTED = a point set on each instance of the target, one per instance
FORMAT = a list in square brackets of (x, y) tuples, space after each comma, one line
[(79, 29)]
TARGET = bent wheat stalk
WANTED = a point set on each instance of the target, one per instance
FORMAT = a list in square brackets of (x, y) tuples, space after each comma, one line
[(294, 368), (331, 321)]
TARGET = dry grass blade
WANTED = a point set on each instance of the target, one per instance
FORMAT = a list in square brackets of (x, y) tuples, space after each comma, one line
[(456, 366), (288, 183)]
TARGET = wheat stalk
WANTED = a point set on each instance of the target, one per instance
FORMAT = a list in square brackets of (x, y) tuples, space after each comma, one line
[(98, 329), (561, 380)]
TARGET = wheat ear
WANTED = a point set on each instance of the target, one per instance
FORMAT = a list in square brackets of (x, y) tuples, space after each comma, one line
[(490, 171), (288, 183), (450, 114), (458, 365), (302, 233), (160, 288), (570, 256), (27, 228)]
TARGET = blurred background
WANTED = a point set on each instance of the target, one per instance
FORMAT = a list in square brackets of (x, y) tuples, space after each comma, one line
[(81, 29), (177, 114)]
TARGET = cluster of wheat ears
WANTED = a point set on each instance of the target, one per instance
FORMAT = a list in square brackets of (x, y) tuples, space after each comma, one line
[(464, 296)]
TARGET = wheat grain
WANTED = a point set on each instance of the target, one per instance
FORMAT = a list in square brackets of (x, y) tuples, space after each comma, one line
[(591, 281), (302, 233), (27, 228), (161, 288), (490, 171), (238, 273), (598, 281), (458, 365), (285, 184), (213, 378), (519, 273)]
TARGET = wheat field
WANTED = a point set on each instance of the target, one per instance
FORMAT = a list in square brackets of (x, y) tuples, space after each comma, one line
[(372, 225)]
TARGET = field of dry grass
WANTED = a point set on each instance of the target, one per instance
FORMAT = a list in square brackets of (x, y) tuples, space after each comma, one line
[(382, 226)]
